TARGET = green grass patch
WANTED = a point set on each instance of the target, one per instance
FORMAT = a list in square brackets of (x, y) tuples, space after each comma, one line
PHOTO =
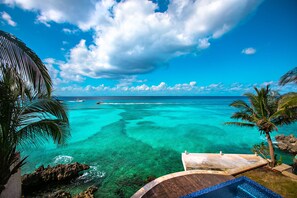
[(275, 181)]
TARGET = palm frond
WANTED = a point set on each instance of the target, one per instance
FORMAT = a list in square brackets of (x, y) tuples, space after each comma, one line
[(288, 100), (13, 83), (43, 118), (15, 54), (243, 116), (35, 132), (242, 105), (252, 99), (45, 106), (241, 124), (290, 76), (284, 116), (265, 125)]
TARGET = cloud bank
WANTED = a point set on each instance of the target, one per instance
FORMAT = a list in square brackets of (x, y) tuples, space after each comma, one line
[(131, 37), (163, 89)]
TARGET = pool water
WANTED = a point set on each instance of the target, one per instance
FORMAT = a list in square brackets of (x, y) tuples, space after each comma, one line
[(241, 187)]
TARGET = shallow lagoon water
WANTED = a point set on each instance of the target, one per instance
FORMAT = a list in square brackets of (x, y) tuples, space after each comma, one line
[(129, 140)]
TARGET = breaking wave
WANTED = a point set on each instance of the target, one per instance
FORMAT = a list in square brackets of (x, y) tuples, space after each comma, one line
[(63, 159)]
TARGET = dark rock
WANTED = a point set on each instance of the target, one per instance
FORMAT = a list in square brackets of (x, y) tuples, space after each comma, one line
[(294, 148), (89, 193), (41, 168), (282, 146), (61, 194), (42, 177), (287, 143), (292, 140), (280, 137), (58, 193)]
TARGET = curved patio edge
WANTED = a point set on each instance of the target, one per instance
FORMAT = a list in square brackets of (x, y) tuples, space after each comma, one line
[(142, 191)]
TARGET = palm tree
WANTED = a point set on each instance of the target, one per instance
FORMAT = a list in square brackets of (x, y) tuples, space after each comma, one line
[(28, 115), (267, 110), (290, 76)]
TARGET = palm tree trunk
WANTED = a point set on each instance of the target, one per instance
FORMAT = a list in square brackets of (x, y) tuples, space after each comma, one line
[(271, 149)]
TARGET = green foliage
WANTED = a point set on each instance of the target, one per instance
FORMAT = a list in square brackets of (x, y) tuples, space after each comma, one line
[(28, 115), (279, 160), (261, 149), (27, 65), (266, 110), (279, 183)]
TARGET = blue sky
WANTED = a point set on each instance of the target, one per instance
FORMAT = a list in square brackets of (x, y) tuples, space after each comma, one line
[(176, 47)]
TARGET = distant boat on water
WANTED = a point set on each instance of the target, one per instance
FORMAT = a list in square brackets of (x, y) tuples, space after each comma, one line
[(100, 102), (79, 100)]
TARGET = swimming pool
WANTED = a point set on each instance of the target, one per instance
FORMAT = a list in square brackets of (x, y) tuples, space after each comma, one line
[(241, 187)]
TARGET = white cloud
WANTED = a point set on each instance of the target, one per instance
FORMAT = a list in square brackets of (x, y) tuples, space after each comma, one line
[(236, 87), (249, 51), (129, 80), (203, 43), (70, 31), (161, 86), (193, 83), (72, 11), (6, 17), (54, 73), (131, 38), (52, 65)]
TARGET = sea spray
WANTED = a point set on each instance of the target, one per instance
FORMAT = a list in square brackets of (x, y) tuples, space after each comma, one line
[(62, 159), (90, 175)]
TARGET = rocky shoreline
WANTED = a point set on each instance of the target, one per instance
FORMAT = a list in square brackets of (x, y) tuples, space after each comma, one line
[(287, 143), (43, 181), (89, 193)]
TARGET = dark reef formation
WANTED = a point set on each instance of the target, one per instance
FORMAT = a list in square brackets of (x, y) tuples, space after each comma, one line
[(45, 177), (89, 193), (287, 143)]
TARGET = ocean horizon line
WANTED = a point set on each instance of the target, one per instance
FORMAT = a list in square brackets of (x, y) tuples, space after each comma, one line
[(150, 96)]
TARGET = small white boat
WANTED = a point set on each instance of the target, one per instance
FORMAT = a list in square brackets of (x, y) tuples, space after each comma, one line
[(79, 100)]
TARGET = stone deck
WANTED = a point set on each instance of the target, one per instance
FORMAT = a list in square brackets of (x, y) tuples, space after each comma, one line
[(286, 170), (281, 168), (228, 163)]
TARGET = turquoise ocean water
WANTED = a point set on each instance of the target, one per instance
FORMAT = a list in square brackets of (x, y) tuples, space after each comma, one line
[(125, 140)]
